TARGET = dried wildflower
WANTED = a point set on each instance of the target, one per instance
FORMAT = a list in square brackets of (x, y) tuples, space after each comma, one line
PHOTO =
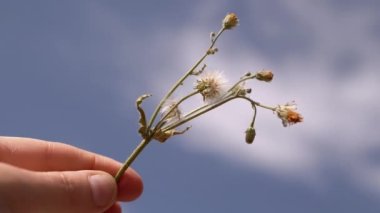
[(264, 75), (288, 114), (230, 21), (211, 85), (170, 111)]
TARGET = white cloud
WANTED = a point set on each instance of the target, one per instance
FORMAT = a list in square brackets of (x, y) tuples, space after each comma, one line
[(339, 109)]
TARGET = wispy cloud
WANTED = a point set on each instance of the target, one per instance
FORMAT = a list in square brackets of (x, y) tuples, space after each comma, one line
[(338, 101), (335, 82)]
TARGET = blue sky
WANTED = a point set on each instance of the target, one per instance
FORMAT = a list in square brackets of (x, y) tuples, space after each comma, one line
[(70, 71)]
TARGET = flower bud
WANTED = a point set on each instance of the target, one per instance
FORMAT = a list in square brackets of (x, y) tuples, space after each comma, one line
[(250, 134), (230, 21), (265, 75)]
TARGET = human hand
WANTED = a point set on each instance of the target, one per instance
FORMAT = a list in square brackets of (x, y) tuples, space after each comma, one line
[(41, 176)]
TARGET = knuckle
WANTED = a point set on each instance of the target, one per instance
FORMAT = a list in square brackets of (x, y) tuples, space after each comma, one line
[(67, 187)]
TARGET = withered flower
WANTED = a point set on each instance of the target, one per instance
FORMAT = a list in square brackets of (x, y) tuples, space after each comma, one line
[(288, 114), (211, 85)]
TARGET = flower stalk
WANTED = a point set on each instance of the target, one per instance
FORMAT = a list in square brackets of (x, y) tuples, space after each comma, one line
[(182, 79), (131, 158), (211, 86)]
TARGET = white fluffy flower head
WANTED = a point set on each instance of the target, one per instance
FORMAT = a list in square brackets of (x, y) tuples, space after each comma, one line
[(211, 85)]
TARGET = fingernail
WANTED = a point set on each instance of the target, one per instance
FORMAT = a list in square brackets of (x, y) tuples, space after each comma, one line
[(103, 189)]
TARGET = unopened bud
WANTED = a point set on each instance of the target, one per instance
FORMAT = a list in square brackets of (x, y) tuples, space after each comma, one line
[(250, 134), (248, 74), (212, 51), (265, 75), (212, 36), (230, 21)]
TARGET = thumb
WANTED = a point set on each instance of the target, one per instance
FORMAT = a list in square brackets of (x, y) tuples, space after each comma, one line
[(73, 191)]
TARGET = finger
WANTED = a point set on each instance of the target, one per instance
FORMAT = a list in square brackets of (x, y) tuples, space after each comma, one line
[(124, 188), (41, 155), (38, 155), (74, 191), (115, 208)]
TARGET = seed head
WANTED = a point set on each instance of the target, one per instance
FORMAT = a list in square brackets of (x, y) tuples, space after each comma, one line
[(211, 85), (288, 114), (230, 21)]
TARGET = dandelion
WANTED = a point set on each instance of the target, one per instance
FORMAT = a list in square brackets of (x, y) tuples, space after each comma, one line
[(230, 21), (211, 85), (288, 114)]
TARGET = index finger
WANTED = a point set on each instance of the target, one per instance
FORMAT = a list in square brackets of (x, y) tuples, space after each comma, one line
[(38, 155)]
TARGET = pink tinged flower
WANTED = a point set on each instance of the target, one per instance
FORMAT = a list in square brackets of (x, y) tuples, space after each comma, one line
[(211, 85), (288, 114)]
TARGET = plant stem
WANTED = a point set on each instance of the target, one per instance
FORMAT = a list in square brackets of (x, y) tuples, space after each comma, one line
[(264, 106), (201, 110), (150, 133), (180, 81), (193, 115), (241, 80), (253, 103), (162, 121), (131, 158)]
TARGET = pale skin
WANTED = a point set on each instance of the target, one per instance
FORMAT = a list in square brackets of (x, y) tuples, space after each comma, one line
[(42, 176)]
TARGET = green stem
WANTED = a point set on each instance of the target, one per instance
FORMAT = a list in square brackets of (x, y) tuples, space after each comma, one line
[(193, 115), (131, 158), (161, 122), (149, 133), (264, 106), (204, 109), (253, 103), (226, 96), (180, 81), (242, 80)]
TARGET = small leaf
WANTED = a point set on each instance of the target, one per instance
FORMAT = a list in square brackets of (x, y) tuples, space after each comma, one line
[(142, 121), (163, 136)]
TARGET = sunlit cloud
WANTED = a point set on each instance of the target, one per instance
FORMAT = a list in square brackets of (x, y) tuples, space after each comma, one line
[(339, 106)]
